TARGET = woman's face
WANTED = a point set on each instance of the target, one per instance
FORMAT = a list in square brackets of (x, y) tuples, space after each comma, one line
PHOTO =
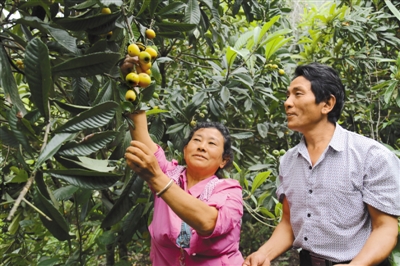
[(203, 153)]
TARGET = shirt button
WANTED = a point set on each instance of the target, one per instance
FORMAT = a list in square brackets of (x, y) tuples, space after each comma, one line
[(310, 191), (310, 167), (309, 215), (305, 238), (194, 254)]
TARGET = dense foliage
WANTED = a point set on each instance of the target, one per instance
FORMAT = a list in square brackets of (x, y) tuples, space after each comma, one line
[(67, 196)]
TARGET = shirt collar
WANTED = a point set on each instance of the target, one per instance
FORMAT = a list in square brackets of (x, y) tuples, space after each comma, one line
[(196, 190), (337, 142)]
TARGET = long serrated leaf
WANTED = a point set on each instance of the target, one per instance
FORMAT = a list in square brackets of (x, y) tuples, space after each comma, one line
[(389, 91), (57, 226), (62, 37), (91, 144), (243, 135), (180, 27), (12, 117), (192, 12), (87, 65), (38, 74), (95, 117), (175, 128), (86, 23), (124, 203), (72, 108), (172, 8), (52, 147), (131, 223), (86, 178), (7, 82), (65, 193)]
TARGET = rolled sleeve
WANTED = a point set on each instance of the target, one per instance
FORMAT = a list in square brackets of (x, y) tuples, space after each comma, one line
[(381, 188), (164, 164)]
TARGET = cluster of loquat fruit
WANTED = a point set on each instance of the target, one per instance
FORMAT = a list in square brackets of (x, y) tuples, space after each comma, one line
[(141, 57)]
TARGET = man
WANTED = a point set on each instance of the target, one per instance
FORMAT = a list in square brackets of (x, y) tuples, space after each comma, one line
[(340, 191)]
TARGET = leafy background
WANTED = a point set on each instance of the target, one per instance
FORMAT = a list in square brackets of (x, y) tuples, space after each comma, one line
[(68, 198)]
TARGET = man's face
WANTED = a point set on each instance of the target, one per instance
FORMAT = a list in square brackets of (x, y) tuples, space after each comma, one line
[(303, 114)]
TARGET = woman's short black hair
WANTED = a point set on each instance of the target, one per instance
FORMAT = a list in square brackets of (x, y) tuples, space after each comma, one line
[(325, 82), (227, 153)]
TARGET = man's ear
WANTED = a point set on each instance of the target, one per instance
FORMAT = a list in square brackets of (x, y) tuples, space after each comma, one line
[(329, 105)]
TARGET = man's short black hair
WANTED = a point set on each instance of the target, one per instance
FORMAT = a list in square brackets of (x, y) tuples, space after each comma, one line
[(325, 82)]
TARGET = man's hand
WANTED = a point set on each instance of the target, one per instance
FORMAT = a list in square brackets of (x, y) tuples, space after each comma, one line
[(257, 259)]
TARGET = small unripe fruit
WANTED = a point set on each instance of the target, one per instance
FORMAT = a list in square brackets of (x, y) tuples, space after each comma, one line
[(282, 152), (150, 34), (132, 79), (133, 50), (202, 115), (155, 95), (105, 10), (281, 72), (193, 123), (130, 96), (144, 80), (144, 57), (274, 66), (275, 152), (153, 53)]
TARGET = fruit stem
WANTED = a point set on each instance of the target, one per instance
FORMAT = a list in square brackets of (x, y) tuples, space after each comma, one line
[(130, 32)]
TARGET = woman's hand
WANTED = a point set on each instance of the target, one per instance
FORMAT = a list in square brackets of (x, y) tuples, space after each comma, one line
[(141, 160), (257, 259), (128, 64)]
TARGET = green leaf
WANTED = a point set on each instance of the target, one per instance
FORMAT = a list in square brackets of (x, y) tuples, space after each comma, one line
[(49, 262), (147, 94), (87, 23), (172, 8), (95, 117), (259, 180), (14, 225), (243, 135), (124, 203), (392, 8), (175, 128), (52, 147), (266, 27), (95, 164), (132, 223), (12, 117), (86, 178), (90, 144), (389, 92), (65, 193), (87, 65), (262, 130), (272, 46), (192, 12), (63, 38), (180, 27), (230, 56), (225, 94), (7, 82), (57, 226), (38, 74), (72, 108), (267, 213), (117, 3)]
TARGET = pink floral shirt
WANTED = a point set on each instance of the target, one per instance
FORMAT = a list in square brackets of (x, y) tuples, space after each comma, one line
[(219, 248)]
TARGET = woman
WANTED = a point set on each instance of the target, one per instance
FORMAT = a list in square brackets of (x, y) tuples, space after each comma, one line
[(197, 215)]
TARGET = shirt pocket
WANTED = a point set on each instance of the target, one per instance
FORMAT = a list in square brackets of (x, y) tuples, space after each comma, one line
[(346, 208)]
